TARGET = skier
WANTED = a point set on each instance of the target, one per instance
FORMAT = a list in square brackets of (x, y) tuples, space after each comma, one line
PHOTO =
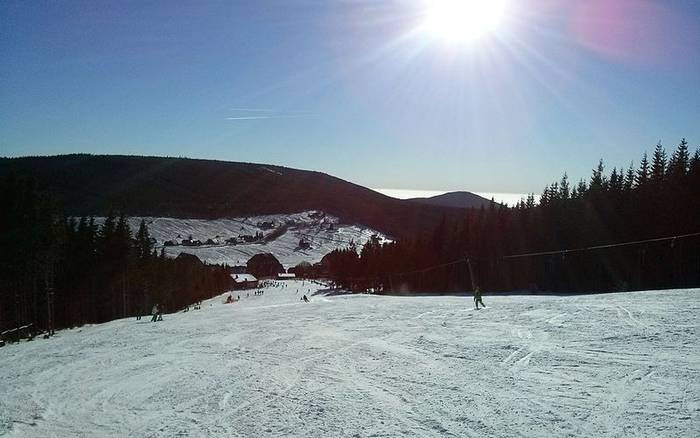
[(477, 298), (306, 300), (155, 311)]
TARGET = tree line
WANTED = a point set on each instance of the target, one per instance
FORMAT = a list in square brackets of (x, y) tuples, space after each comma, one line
[(658, 198), (58, 271)]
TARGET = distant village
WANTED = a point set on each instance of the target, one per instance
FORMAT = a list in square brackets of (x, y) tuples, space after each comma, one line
[(258, 237), (262, 266)]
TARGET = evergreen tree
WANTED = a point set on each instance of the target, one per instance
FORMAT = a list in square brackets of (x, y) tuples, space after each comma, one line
[(644, 172), (545, 198), (678, 164), (658, 165), (143, 242), (598, 179), (106, 237), (530, 202), (564, 188), (554, 191), (616, 184), (694, 164), (629, 179)]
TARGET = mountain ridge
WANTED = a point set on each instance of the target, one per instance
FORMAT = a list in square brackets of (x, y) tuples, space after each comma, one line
[(86, 184), (456, 199)]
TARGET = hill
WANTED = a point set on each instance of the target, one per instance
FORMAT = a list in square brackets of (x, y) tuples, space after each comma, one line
[(218, 241), (207, 189), (455, 200), (363, 365)]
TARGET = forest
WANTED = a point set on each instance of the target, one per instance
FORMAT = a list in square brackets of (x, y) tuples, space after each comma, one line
[(58, 271), (629, 229)]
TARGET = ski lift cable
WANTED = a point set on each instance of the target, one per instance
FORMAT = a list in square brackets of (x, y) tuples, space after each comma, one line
[(542, 253), (590, 248)]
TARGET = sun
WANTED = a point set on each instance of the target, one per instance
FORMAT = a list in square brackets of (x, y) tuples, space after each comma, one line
[(463, 21)]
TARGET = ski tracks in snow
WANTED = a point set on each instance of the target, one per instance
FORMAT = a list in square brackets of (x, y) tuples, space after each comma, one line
[(599, 365)]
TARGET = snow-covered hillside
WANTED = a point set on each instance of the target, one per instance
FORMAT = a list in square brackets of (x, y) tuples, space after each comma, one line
[(599, 365), (324, 233)]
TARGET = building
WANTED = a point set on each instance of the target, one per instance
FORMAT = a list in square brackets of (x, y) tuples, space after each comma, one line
[(286, 276), (244, 281)]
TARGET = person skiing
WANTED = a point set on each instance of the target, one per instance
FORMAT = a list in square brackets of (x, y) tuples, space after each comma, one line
[(477, 298), (155, 311), (306, 300)]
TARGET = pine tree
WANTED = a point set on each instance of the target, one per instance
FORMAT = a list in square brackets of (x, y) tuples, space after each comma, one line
[(658, 165), (123, 238), (694, 165), (564, 188), (678, 164), (143, 242), (554, 191), (598, 180), (643, 173), (530, 202), (616, 183), (106, 234), (545, 198), (629, 179)]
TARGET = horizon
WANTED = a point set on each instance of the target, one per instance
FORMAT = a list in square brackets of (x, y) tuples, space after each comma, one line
[(509, 199), (384, 94)]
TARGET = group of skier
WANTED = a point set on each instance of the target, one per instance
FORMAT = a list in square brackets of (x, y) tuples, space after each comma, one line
[(157, 314)]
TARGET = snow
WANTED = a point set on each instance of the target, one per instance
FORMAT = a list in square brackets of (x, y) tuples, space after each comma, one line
[(311, 225), (623, 364)]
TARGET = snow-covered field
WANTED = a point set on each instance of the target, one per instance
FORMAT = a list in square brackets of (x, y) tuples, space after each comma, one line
[(599, 365), (324, 232)]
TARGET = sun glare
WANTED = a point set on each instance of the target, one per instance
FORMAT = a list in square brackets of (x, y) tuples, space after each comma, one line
[(463, 21)]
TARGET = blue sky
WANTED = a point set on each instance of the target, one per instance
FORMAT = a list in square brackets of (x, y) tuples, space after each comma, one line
[(354, 88)]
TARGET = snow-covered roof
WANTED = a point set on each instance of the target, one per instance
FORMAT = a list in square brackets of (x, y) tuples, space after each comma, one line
[(285, 275), (243, 278)]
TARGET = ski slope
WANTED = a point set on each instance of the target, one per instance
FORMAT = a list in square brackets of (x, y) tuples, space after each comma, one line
[(614, 365), (324, 232)]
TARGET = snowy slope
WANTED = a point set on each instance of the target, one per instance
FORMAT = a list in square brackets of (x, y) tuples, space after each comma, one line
[(313, 226), (598, 365)]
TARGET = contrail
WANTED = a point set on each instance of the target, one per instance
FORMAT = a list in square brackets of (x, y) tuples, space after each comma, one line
[(257, 110), (282, 116), (250, 118)]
